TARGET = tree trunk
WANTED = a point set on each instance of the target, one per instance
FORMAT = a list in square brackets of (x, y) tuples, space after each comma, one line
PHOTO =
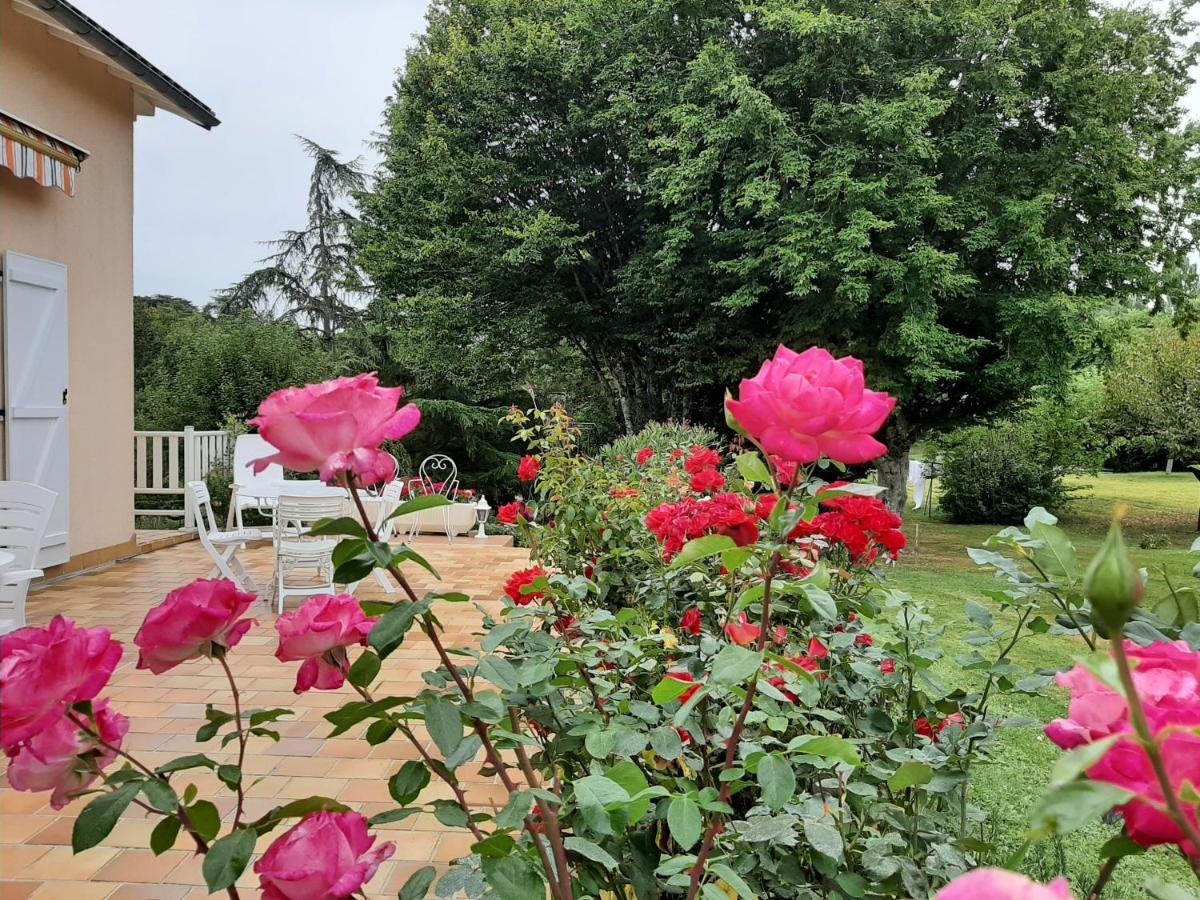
[(893, 475), (892, 468), (1170, 464)]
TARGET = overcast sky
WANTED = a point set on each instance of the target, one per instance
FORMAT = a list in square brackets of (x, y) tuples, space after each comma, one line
[(269, 69)]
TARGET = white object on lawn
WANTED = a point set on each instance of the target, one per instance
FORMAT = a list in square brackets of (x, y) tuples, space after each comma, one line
[(438, 474), (24, 513), (221, 546), (246, 450), (295, 549), (35, 361), (916, 477)]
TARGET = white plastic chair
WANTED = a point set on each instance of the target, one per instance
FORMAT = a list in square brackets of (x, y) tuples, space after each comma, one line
[(222, 546), (437, 474), (294, 549), (24, 513), (246, 449)]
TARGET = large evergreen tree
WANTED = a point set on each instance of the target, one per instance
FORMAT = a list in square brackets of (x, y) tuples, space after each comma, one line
[(946, 188)]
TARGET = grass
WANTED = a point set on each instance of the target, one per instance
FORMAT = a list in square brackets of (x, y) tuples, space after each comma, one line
[(1160, 527)]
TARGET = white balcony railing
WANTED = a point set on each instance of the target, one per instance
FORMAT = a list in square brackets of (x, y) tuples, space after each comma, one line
[(165, 461)]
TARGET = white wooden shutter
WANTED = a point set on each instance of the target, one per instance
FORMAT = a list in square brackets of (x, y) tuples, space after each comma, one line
[(37, 448)]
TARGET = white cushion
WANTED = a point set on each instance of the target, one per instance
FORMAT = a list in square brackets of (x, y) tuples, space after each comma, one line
[(235, 536)]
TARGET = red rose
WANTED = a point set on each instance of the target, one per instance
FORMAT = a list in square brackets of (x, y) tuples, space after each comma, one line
[(510, 512), (521, 579), (864, 640), (741, 632), (780, 635), (691, 622), (707, 480), (529, 468), (954, 720), (701, 458), (817, 650), (924, 728), (644, 456), (888, 667)]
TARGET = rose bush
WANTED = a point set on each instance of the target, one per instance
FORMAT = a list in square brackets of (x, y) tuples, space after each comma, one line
[(698, 688)]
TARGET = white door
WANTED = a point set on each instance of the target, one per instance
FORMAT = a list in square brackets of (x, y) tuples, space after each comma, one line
[(35, 388)]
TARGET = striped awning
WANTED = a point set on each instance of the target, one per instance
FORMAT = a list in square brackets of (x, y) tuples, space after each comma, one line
[(32, 153)]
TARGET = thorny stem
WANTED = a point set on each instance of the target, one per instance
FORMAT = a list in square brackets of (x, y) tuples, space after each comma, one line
[(184, 820), (1137, 717), (480, 727), (735, 736), (1088, 639), (549, 816), (237, 718)]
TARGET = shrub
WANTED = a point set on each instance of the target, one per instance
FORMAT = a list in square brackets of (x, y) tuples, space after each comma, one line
[(994, 475), (661, 437)]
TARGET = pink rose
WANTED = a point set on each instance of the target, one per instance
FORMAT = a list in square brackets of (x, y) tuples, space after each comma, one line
[(335, 428), (49, 760), (190, 622), (802, 406), (1167, 678), (45, 670), (319, 633), (327, 856), (1000, 884)]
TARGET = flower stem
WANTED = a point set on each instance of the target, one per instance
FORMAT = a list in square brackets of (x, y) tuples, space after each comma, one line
[(1137, 717), (561, 891), (241, 758)]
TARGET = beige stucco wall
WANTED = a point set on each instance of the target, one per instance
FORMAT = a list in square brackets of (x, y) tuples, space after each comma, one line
[(48, 83)]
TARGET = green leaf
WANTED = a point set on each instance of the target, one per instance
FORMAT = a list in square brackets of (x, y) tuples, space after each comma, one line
[(824, 838), (702, 548), (499, 844), (297, 809), (465, 753), (99, 816), (444, 724), (160, 795), (406, 785), (450, 814), (1073, 805), (666, 743), (393, 815), (341, 526), (418, 504), (379, 731), (193, 761), (162, 838), (1120, 845), (205, 819), (227, 858), (777, 780), (669, 689), (364, 669), (735, 664), (513, 815), (408, 554), (418, 884), (388, 633), (734, 880), (512, 878), (1057, 558), (685, 821), (910, 774), (826, 746), (593, 795), (500, 672), (592, 851), (821, 601), (752, 468), (979, 614), (231, 776)]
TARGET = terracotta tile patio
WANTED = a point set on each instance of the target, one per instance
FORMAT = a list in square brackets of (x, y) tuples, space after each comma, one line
[(165, 711)]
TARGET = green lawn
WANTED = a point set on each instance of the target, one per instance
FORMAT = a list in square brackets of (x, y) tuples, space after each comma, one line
[(936, 569)]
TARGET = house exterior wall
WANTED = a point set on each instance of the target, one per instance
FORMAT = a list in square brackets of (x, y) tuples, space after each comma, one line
[(48, 83)]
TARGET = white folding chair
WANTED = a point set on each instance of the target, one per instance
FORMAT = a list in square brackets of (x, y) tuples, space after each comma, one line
[(437, 474), (246, 449), (24, 512), (222, 546), (295, 549)]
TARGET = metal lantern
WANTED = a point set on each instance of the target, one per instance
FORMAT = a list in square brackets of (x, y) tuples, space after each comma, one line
[(482, 508)]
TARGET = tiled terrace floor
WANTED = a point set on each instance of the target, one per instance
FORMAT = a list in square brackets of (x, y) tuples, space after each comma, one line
[(166, 710)]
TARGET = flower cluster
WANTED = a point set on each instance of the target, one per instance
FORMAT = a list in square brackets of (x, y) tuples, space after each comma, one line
[(511, 513), (1167, 679), (863, 525), (674, 524), (702, 464)]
